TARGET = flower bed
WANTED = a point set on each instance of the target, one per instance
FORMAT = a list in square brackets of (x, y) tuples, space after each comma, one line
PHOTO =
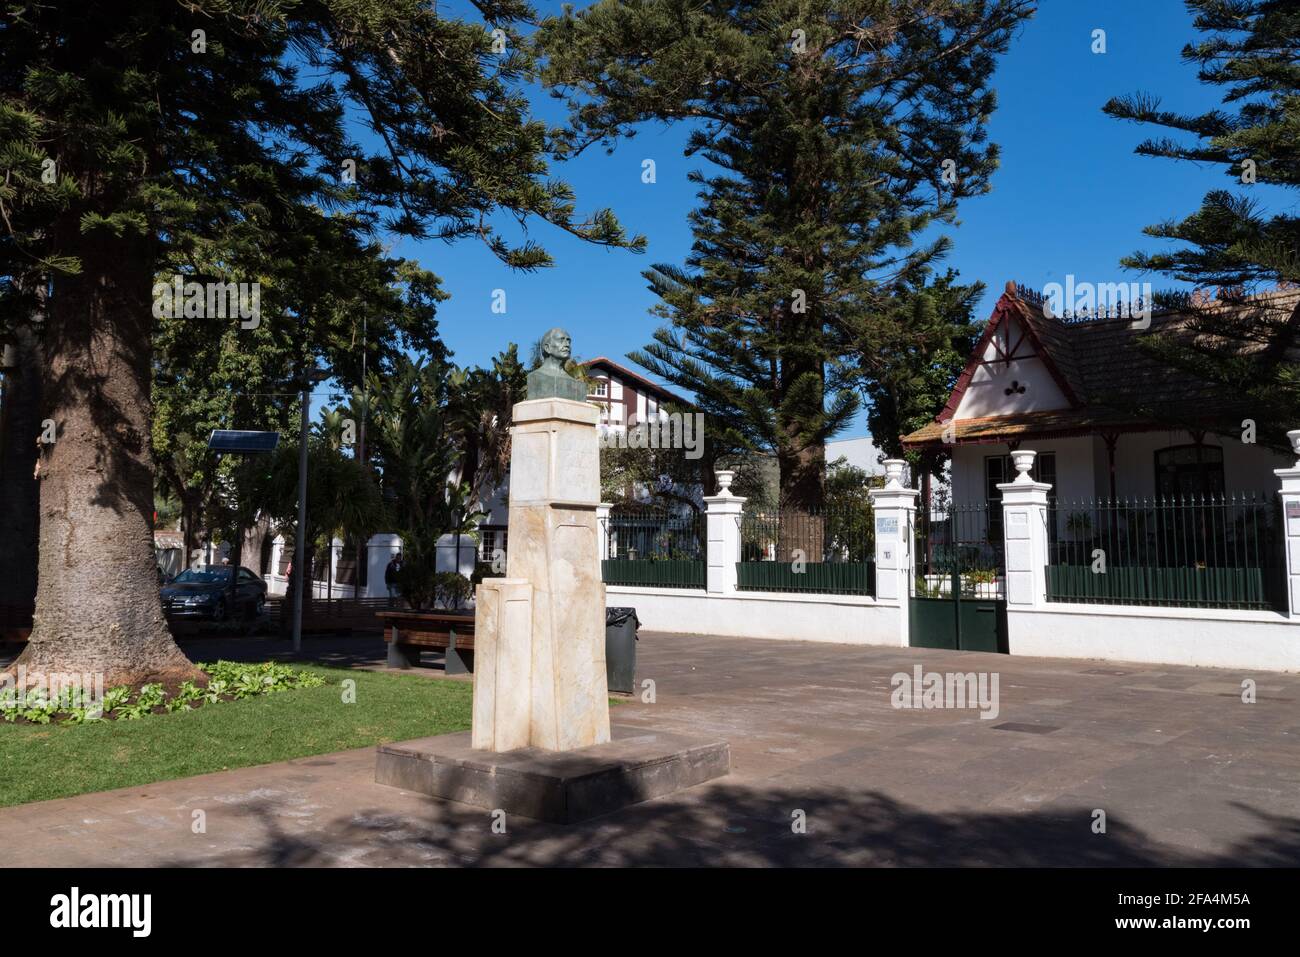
[(227, 681)]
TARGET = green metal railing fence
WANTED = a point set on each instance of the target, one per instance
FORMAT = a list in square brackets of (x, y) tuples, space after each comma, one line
[(1209, 551), (826, 551), (959, 547), (654, 546)]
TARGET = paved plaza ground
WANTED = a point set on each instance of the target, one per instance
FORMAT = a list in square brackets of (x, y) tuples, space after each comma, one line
[(1186, 773)]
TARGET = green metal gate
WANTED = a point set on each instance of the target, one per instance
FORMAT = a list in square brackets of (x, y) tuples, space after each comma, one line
[(959, 592)]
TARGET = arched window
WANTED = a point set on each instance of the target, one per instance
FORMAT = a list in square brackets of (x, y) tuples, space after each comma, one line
[(1185, 470)]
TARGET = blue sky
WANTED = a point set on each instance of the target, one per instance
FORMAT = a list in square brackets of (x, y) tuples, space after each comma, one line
[(1070, 197)]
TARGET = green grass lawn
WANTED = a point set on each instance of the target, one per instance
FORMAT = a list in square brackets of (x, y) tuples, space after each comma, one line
[(39, 762)]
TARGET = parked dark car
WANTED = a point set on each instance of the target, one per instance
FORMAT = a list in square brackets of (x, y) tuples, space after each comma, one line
[(206, 592)]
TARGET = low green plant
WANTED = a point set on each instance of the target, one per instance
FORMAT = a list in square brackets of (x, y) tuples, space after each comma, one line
[(39, 709), (417, 579), (114, 698), (185, 696), (982, 576), (452, 589), (79, 715), (35, 706), (40, 762), (241, 679), (927, 589), (8, 704), (227, 679)]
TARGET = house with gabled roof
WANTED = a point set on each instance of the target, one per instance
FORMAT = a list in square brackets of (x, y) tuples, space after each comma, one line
[(625, 396), (1107, 418)]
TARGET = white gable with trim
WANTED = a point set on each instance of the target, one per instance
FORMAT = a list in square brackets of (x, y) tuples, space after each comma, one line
[(1011, 377)]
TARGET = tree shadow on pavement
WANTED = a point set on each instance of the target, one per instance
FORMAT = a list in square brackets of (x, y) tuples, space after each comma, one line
[(738, 825)]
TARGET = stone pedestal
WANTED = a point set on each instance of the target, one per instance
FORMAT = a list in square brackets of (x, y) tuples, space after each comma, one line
[(502, 674), (636, 765), (540, 743), (555, 546)]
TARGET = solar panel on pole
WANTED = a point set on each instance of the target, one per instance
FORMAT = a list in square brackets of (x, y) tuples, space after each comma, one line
[(243, 441)]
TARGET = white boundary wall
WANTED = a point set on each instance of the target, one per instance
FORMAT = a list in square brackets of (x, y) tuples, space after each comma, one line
[(1198, 637), (1201, 637), (843, 619)]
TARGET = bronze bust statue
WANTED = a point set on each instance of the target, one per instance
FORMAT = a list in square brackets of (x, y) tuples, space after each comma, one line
[(549, 380)]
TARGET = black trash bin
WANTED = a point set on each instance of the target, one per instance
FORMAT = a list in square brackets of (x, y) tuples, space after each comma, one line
[(620, 648)]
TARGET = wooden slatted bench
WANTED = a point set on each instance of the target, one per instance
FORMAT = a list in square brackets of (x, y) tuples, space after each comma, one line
[(407, 633)]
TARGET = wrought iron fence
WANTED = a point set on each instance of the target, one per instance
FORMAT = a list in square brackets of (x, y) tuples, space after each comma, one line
[(960, 546), (655, 546), (826, 551), (1210, 551)]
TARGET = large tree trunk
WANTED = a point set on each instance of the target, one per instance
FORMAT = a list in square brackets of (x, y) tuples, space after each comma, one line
[(803, 479), (97, 604), (235, 546), (254, 541), (20, 420), (193, 529), (802, 496)]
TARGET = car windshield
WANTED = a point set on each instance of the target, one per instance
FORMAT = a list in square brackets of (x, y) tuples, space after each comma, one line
[(202, 576)]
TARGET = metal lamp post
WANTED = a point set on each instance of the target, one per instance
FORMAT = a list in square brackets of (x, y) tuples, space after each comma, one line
[(310, 378)]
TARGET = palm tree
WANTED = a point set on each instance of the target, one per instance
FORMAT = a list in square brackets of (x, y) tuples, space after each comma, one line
[(333, 427), (414, 447), (356, 410), (341, 497), (482, 404)]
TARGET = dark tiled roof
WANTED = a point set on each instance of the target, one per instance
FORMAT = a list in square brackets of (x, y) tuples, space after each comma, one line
[(1114, 382), (1056, 339)]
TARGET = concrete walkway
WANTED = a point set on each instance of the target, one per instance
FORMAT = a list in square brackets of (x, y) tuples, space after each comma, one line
[(1186, 773)]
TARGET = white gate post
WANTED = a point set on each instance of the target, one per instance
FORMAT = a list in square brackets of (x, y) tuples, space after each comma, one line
[(336, 553), (380, 549), (722, 515), (1024, 530), (1290, 493), (273, 575), (895, 513)]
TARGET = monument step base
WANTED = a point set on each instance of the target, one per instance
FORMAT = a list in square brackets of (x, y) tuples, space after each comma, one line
[(559, 787)]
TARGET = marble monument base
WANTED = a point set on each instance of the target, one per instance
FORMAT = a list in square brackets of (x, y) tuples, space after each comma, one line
[(561, 787)]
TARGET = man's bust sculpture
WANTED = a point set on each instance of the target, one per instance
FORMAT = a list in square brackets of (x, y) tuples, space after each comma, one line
[(549, 380)]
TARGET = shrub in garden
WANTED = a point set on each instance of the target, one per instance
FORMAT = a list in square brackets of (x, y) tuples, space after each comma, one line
[(228, 680)]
